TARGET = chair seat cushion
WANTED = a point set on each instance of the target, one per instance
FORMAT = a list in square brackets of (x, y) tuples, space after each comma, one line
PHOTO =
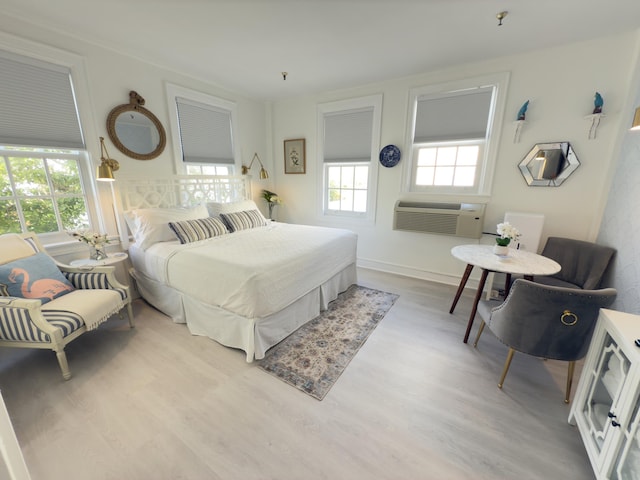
[(92, 306)]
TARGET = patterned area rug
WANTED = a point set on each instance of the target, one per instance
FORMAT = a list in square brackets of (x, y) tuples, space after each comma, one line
[(313, 357)]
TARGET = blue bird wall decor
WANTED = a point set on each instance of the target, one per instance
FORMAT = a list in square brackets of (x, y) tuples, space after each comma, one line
[(598, 102), (522, 113)]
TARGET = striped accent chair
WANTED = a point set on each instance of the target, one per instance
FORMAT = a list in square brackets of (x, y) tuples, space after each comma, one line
[(92, 295)]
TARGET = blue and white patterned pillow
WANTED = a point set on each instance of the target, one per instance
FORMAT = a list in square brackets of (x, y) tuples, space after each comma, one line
[(189, 231), (36, 277), (243, 220)]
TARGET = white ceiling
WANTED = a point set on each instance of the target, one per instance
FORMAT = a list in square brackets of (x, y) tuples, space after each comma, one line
[(244, 45)]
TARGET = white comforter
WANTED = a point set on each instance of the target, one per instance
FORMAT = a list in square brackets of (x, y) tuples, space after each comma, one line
[(256, 272)]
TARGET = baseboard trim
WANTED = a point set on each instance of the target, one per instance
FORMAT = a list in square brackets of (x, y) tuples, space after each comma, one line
[(413, 272)]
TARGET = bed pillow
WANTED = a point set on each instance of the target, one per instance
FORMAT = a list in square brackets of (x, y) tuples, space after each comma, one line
[(152, 224), (36, 277), (243, 220), (215, 208), (189, 231)]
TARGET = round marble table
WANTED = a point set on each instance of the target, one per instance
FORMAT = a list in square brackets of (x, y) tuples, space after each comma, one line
[(519, 262)]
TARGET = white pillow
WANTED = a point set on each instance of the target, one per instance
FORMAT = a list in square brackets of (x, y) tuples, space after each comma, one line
[(215, 208), (151, 225)]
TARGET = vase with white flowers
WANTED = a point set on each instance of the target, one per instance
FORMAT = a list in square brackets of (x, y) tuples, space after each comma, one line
[(272, 200), (507, 233), (95, 241)]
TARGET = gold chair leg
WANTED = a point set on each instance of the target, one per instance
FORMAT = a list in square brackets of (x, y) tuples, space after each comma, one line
[(480, 329), (507, 364), (572, 367)]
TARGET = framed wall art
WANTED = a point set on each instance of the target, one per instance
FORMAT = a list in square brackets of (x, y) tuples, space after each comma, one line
[(294, 156)]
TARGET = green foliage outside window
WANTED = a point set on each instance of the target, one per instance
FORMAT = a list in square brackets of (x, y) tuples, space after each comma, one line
[(47, 190)]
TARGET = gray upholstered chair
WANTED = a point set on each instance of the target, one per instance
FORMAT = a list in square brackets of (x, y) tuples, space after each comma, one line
[(545, 321), (44, 304), (583, 263)]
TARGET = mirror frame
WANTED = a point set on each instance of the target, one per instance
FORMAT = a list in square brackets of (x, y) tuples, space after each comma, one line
[(135, 104), (570, 164)]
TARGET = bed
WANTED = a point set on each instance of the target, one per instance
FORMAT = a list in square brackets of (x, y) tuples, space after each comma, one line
[(247, 288)]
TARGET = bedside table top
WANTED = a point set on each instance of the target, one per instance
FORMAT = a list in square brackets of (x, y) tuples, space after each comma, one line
[(112, 258)]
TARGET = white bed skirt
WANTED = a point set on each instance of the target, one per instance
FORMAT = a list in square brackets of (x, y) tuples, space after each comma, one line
[(253, 335)]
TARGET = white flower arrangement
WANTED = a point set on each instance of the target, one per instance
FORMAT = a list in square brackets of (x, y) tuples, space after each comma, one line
[(507, 233), (93, 239)]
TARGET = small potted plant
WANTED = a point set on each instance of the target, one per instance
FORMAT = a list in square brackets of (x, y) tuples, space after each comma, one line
[(507, 233), (272, 200)]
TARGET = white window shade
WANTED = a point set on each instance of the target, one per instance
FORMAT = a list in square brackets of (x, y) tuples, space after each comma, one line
[(347, 136), (37, 104), (456, 116), (205, 133)]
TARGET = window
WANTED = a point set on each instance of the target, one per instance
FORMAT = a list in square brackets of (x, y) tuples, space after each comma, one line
[(350, 130), (203, 131), (42, 152), (452, 151), (41, 190)]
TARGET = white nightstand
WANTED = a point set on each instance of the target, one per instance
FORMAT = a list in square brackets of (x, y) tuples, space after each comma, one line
[(112, 259)]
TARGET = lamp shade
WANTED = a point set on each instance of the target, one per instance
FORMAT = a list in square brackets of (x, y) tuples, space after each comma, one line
[(635, 126), (107, 165), (105, 173)]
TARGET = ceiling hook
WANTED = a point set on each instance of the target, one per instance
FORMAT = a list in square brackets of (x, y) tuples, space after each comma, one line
[(500, 16)]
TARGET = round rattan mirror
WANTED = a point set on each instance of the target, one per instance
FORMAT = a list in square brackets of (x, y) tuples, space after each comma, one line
[(135, 131)]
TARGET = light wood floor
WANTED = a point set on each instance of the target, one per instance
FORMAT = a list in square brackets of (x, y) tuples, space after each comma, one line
[(415, 403)]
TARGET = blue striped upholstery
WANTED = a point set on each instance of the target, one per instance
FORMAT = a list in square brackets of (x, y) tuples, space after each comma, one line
[(92, 281), (68, 322), (16, 324)]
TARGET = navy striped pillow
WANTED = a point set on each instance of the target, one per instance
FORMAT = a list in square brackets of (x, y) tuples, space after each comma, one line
[(189, 231), (243, 220)]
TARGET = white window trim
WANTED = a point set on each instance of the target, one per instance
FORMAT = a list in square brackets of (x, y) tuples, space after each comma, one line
[(77, 67), (174, 91), (371, 101), (500, 81)]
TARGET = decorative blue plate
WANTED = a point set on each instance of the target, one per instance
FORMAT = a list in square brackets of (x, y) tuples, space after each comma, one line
[(390, 156)]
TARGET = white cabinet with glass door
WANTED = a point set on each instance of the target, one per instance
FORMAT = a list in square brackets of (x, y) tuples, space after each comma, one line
[(606, 407)]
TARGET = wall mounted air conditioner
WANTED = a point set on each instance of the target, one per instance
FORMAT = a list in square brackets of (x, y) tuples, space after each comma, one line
[(457, 219)]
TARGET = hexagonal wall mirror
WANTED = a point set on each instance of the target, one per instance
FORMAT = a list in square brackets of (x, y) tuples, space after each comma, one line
[(549, 164)]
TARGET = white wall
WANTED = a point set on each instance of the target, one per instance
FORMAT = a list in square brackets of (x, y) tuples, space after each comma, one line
[(621, 221), (109, 78), (560, 84)]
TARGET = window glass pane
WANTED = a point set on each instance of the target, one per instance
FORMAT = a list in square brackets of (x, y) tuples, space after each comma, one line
[(334, 199), (444, 176), (360, 201), (446, 156), (465, 176), (424, 175), (73, 213), (347, 177), (39, 215), (427, 156), (334, 176), (193, 169), (346, 200), (361, 177), (65, 176), (9, 221), (468, 155), (5, 186), (29, 176)]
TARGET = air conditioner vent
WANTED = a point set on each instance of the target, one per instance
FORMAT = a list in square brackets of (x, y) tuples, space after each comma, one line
[(457, 219)]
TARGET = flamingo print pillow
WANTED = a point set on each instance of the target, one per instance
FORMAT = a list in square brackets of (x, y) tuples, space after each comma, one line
[(36, 277)]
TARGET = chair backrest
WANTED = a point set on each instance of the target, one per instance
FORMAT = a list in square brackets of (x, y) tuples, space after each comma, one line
[(548, 321), (583, 263), (14, 246)]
